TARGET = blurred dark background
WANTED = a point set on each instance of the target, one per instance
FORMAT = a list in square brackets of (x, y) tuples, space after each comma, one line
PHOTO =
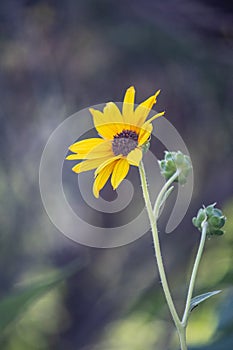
[(58, 57)]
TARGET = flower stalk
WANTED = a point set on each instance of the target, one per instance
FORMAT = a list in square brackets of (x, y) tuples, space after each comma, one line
[(194, 274), (153, 223), (153, 216), (163, 192)]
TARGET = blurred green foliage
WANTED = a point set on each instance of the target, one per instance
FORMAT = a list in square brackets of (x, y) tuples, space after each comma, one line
[(31, 307)]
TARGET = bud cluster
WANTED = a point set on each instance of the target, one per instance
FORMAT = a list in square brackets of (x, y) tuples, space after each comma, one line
[(213, 216), (174, 161)]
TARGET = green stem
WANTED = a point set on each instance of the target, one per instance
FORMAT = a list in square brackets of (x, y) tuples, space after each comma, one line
[(162, 193), (182, 337), (155, 236), (153, 216), (194, 274)]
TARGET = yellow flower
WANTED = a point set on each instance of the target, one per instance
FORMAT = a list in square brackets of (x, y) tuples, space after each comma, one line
[(122, 137)]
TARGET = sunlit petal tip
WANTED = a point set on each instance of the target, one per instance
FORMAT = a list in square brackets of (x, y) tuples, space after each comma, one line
[(74, 148), (91, 110), (157, 94), (71, 147), (74, 156), (76, 168), (160, 114), (131, 88), (95, 113), (129, 95), (109, 105), (128, 106), (96, 192)]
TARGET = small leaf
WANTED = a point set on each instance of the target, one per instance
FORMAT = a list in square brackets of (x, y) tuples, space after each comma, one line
[(200, 298)]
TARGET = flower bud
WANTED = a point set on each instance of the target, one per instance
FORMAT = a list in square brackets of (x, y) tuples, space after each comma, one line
[(213, 216), (174, 161)]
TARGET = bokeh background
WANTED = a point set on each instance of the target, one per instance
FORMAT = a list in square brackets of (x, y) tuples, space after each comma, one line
[(58, 57)]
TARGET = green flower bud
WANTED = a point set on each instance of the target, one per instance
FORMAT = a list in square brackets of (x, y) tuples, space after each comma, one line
[(213, 216), (174, 161)]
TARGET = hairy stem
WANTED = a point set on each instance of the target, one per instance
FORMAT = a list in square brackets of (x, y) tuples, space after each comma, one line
[(155, 236), (194, 274), (162, 193)]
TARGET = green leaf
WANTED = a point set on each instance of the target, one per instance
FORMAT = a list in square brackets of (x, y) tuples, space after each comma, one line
[(200, 298), (14, 304)]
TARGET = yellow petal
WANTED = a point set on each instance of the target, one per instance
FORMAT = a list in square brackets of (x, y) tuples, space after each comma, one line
[(119, 172), (103, 126), (102, 150), (102, 178), (113, 114), (144, 109), (88, 165), (134, 157), (147, 128), (155, 117), (76, 156), (106, 163), (85, 146), (129, 95), (128, 105), (145, 133)]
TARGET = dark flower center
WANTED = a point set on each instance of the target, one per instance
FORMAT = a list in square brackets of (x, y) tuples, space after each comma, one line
[(124, 142)]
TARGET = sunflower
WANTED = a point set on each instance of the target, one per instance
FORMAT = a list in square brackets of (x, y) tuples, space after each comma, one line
[(121, 144)]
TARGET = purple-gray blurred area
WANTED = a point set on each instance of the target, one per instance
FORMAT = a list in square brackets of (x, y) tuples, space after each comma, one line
[(58, 57)]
